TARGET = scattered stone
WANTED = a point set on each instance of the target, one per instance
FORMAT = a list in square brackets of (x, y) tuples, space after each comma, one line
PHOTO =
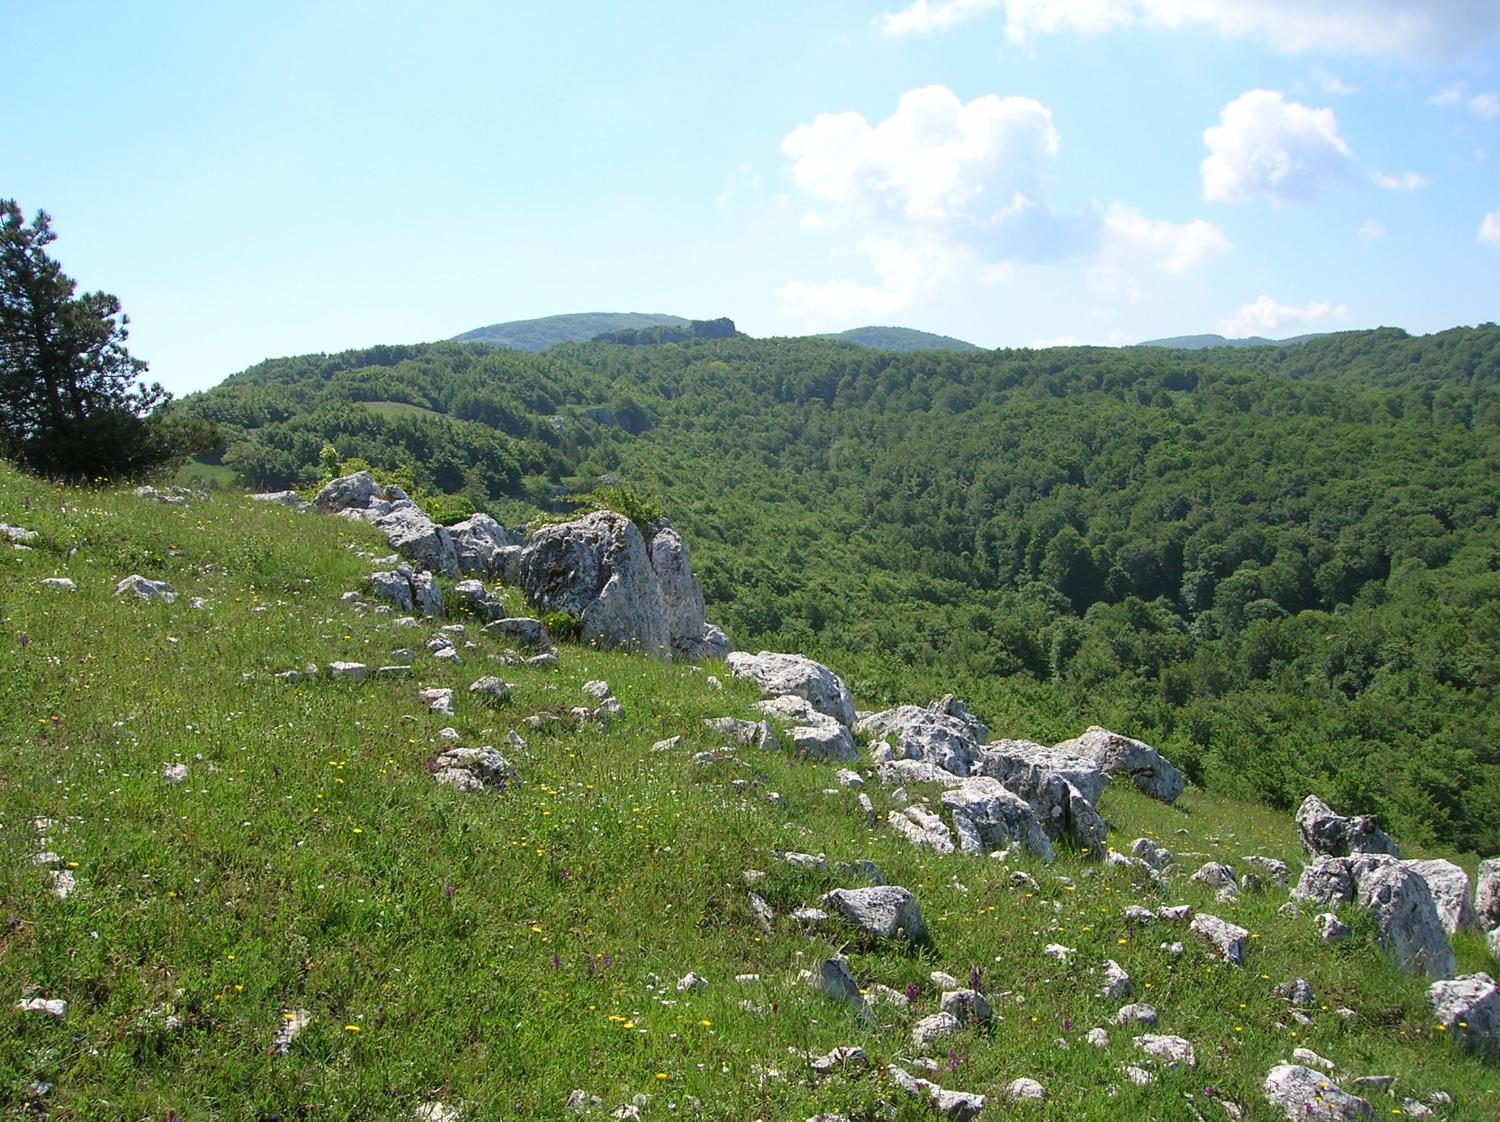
[(1138, 1013), (880, 912), (1025, 1090), (152, 591), (62, 883), (927, 736), (1297, 991), (436, 1112), (1325, 833), (348, 671), (1301, 1093), (1157, 857), (1470, 1007), (808, 862), (762, 912), (491, 688), (848, 1057), (850, 779), (1169, 1050), (401, 671), (54, 1007), (935, 1027), (174, 773), (472, 769), (1225, 937), (289, 499), (1220, 878), (1379, 1084), (545, 661), (812, 733), (1308, 1058), (1058, 951), (447, 654), (1117, 984), (956, 1106), (16, 533), (1138, 1075), (1268, 867), (59, 584), (1147, 768), (293, 1021), (1332, 929), (1178, 913), (968, 1006), (1097, 1038), (834, 981), (867, 871), (1407, 920), (437, 700), (692, 981)]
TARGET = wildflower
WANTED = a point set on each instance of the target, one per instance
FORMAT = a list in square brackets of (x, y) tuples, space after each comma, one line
[(448, 891), (706, 1023), (974, 978), (661, 1077), (912, 993), (351, 1028)]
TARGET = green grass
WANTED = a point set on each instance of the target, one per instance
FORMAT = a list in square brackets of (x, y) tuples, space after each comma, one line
[(399, 409), (310, 862), (197, 474)]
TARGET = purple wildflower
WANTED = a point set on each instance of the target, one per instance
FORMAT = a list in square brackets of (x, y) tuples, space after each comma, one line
[(912, 993), (974, 978), (448, 891)]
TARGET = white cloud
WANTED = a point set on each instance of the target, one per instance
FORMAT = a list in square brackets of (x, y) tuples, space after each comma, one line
[(1432, 29), (1371, 231), (922, 18), (1060, 341), (935, 161), (1333, 84), (1451, 95), (1487, 105), (1113, 283), (1266, 145), (1263, 315), (1176, 247), (839, 302), (1489, 230), (1411, 181)]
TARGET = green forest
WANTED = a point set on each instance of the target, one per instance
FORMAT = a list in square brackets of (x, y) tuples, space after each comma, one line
[(1281, 565)]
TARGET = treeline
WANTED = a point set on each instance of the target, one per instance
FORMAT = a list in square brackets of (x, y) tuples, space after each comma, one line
[(1282, 565)]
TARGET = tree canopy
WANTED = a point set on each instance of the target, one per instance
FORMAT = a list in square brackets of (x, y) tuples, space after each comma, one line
[(72, 401)]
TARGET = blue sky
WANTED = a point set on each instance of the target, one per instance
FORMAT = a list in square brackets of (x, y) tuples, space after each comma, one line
[(278, 178)]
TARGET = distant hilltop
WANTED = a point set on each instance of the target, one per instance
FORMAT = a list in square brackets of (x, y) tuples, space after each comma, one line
[(900, 339), (578, 327), (1204, 342)]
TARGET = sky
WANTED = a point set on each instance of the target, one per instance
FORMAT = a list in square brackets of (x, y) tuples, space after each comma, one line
[(259, 180)]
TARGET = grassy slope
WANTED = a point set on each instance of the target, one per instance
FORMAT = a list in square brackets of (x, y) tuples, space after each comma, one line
[(580, 327), (310, 862)]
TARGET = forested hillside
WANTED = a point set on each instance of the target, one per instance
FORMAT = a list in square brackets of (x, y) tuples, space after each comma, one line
[(539, 334), (901, 339), (1281, 564)]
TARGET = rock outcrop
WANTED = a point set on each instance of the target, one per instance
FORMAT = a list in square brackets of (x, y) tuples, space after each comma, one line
[(926, 734), (780, 675), (880, 913), (1300, 1093), (1449, 886), (1487, 894), (984, 808), (1406, 917), (1142, 764), (1061, 787), (1325, 833), (1469, 1007)]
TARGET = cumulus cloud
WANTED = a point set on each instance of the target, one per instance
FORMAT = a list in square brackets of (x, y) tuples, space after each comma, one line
[(1450, 95), (1486, 105), (1371, 231), (1411, 181), (1113, 283), (922, 18), (1489, 230), (1060, 341), (1266, 145), (1264, 314), (1175, 247), (1426, 31)]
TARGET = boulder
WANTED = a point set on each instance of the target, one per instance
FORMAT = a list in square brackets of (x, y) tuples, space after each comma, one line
[(519, 629), (1147, 768), (597, 570), (1487, 894), (834, 982), (152, 591), (349, 492), (1018, 760), (925, 734), (475, 597), (1300, 1093), (472, 769), (289, 499), (682, 599), (968, 1005), (1225, 937), (893, 773), (779, 675), (1407, 919), (1169, 1051), (1449, 886), (1469, 1007), (880, 912), (813, 734), (712, 644), (955, 1106), (934, 1027), (1325, 833), (1000, 816), (413, 535), (477, 542), (393, 587), (1335, 880), (922, 828)]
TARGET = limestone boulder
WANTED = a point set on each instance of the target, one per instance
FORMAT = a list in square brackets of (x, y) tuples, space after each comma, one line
[(1449, 886), (1407, 919), (152, 591), (477, 543), (1487, 894), (597, 570), (813, 734), (928, 735), (882, 912), (1470, 1008), (1000, 816), (1325, 833), (415, 536), (1142, 764), (350, 492), (1301, 1093), (779, 675)]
